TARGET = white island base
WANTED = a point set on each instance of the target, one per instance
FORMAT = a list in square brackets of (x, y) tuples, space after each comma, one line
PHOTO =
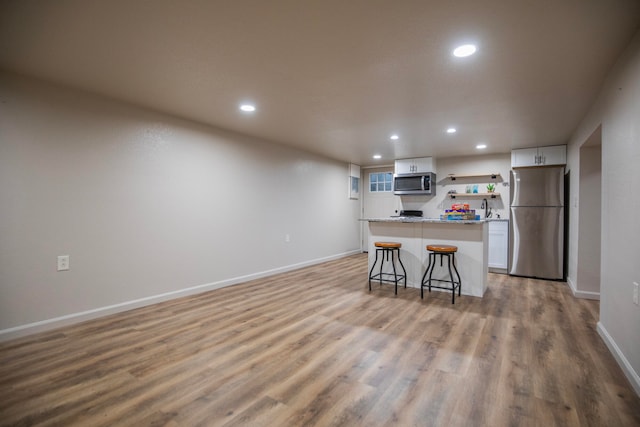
[(469, 236)]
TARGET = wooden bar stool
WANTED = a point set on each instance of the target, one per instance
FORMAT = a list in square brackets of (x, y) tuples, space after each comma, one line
[(386, 249), (450, 252)]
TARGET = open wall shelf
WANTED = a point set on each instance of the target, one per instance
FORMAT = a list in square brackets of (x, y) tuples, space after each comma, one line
[(473, 195), (487, 177)]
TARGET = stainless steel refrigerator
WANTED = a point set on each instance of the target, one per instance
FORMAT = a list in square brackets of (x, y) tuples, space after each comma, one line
[(536, 236)]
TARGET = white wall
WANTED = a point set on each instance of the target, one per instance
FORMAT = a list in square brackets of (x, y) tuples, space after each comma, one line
[(617, 109), (481, 164), (148, 206)]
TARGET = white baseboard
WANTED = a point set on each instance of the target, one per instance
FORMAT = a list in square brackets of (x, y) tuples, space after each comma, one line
[(582, 294), (69, 319), (628, 370)]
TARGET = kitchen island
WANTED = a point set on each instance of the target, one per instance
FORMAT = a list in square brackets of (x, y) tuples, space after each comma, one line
[(471, 238)]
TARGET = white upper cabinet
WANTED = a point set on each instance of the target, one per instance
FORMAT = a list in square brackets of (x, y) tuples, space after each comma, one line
[(524, 157), (539, 156), (553, 155), (416, 165)]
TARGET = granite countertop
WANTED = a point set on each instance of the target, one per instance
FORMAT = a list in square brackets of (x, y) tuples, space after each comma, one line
[(423, 220)]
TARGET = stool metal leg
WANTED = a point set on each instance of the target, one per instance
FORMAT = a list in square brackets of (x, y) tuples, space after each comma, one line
[(372, 267), (384, 253), (453, 284), (424, 277), (457, 274), (403, 270), (433, 267), (395, 275)]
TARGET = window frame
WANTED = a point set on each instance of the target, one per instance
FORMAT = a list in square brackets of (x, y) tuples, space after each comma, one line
[(378, 183)]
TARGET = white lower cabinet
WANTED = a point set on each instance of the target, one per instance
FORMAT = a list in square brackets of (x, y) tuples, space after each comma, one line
[(499, 245)]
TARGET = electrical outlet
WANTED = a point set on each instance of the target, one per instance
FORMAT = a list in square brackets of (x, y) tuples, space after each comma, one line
[(635, 293), (287, 238), (63, 262)]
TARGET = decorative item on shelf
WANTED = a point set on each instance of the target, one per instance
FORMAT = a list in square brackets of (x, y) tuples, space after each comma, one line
[(491, 188), (459, 211)]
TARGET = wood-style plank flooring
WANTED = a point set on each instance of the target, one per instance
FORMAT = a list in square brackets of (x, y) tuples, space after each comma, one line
[(314, 347)]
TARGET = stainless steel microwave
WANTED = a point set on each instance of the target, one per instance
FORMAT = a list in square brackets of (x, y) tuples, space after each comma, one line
[(414, 184)]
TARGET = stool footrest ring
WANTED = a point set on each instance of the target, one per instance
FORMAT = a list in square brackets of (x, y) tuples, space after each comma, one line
[(391, 279)]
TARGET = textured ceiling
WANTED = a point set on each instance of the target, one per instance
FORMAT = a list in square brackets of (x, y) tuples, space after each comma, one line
[(336, 77)]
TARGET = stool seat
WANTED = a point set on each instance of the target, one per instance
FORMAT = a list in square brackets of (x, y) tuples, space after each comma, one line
[(387, 245), (442, 248)]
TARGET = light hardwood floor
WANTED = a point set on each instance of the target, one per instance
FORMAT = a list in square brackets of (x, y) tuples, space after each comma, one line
[(314, 347)]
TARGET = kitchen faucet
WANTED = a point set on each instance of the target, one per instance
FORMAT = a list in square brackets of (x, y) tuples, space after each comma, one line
[(485, 206)]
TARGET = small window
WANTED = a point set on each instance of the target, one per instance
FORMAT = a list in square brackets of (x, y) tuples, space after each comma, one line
[(379, 182)]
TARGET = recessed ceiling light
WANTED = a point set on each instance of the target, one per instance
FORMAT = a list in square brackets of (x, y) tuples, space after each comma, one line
[(394, 137), (248, 108), (464, 50), (377, 156), (451, 130), (481, 146)]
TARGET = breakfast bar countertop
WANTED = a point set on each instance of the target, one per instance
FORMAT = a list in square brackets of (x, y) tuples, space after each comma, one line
[(423, 220)]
